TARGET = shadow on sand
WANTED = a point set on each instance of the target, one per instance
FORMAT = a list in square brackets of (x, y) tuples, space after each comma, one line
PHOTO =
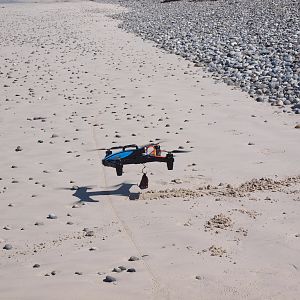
[(123, 189)]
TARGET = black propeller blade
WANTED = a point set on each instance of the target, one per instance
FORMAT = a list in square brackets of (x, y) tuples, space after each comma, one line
[(177, 151)]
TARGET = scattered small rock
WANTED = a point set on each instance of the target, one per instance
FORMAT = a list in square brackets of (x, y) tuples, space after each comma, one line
[(133, 258), (52, 216), (78, 273), (131, 270), (117, 270), (7, 247), (109, 279), (90, 233)]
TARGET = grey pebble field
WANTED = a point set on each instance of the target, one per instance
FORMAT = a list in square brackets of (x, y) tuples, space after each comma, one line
[(253, 45)]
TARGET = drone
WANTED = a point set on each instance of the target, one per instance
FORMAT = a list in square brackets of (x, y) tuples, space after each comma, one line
[(134, 154)]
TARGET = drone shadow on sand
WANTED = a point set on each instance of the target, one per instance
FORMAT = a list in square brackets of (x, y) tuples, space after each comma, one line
[(123, 189)]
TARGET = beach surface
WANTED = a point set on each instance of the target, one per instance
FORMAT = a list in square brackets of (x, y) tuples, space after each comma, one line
[(224, 224)]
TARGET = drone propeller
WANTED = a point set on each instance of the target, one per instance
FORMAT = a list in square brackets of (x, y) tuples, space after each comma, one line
[(176, 151), (105, 149), (75, 187)]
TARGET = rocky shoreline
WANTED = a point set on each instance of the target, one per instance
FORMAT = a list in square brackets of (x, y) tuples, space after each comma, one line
[(253, 45)]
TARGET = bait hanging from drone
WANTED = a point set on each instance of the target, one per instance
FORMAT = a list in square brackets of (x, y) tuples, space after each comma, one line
[(144, 181)]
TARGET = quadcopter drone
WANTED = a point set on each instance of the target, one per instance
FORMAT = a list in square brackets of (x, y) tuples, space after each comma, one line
[(133, 154)]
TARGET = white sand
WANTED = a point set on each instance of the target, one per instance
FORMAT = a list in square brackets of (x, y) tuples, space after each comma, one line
[(70, 64)]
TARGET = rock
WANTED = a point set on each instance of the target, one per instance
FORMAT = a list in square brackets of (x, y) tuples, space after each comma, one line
[(90, 233), (133, 258), (117, 270), (39, 223), (7, 247), (279, 103), (131, 270), (78, 273), (52, 216), (109, 279)]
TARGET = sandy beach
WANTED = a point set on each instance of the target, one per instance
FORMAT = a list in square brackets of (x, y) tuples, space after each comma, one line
[(224, 224)]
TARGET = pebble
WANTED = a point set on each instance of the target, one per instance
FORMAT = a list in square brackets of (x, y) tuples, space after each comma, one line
[(78, 273), (117, 270), (90, 233), (7, 247), (52, 216), (39, 223), (109, 279), (133, 258), (131, 270)]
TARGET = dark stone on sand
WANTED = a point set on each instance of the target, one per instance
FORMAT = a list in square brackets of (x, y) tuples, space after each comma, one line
[(7, 247), (117, 270), (78, 273), (109, 279), (131, 270), (133, 258)]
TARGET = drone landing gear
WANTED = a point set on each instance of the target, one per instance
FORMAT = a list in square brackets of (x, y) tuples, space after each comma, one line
[(119, 169)]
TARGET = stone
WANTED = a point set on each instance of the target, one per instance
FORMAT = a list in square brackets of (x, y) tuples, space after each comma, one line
[(90, 233), (117, 270), (109, 279), (52, 216), (78, 273), (131, 270), (18, 149), (7, 247), (133, 258)]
